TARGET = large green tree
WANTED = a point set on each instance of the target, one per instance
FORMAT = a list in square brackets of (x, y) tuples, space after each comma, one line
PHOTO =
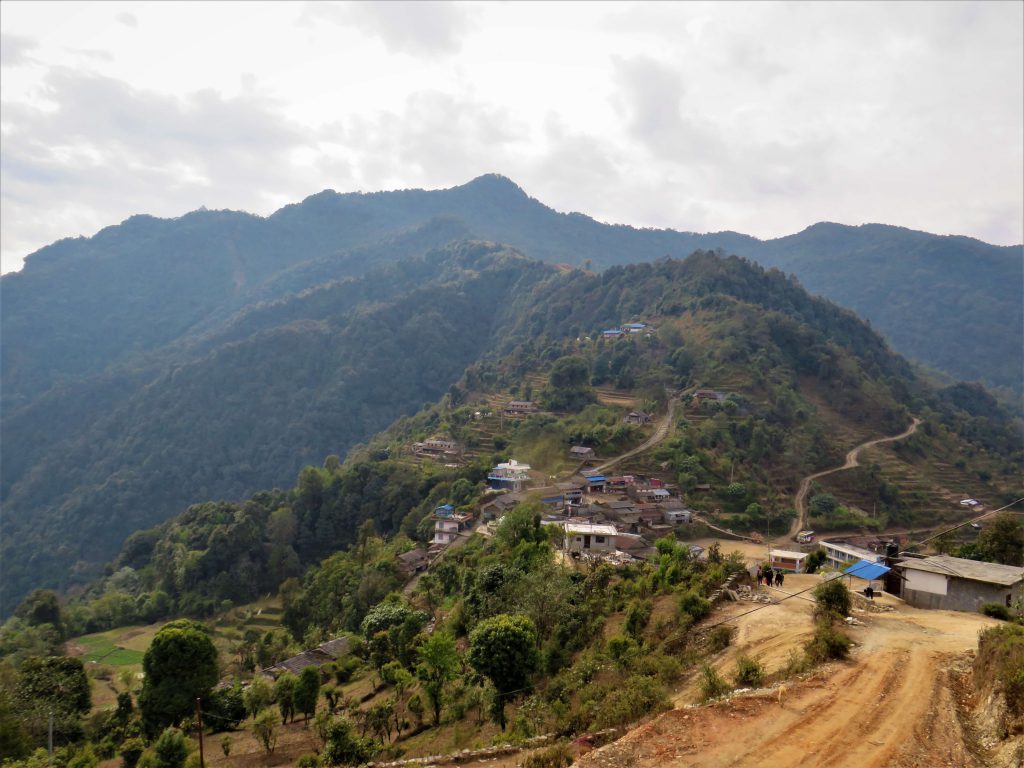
[(1002, 540), (179, 667), (503, 649), (58, 685), (307, 691)]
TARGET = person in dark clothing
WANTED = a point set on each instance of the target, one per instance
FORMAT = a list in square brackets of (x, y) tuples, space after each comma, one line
[(779, 576), (768, 576), (760, 576)]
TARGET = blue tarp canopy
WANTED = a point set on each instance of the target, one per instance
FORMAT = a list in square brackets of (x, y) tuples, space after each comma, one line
[(867, 570)]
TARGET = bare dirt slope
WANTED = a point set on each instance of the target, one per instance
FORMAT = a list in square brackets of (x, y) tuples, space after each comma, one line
[(896, 702)]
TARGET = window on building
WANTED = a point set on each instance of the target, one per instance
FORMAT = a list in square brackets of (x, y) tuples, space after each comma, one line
[(599, 539)]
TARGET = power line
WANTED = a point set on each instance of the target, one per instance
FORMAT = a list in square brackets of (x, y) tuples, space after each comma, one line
[(969, 522)]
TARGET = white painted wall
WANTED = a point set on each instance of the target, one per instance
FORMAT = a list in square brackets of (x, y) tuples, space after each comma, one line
[(923, 581)]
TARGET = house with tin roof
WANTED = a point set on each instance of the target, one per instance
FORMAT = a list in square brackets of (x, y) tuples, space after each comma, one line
[(956, 584)]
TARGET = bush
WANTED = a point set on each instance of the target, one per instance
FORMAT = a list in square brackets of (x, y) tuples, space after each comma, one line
[(996, 611), (637, 616), (308, 760), (1000, 664), (694, 605), (555, 756), (749, 672), (627, 702), (827, 643), (171, 749), (712, 684), (720, 638), (833, 598), (620, 648), (131, 751)]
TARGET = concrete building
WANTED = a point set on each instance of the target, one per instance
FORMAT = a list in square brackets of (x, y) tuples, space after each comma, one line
[(785, 560), (587, 537), (956, 584), (837, 553)]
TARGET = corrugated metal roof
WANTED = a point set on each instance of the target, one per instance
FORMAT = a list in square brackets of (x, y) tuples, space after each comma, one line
[(975, 570)]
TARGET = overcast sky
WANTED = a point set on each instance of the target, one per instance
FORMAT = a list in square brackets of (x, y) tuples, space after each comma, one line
[(761, 118)]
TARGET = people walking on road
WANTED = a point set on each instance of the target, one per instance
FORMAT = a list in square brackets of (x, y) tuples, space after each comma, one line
[(760, 575), (779, 576), (768, 576)]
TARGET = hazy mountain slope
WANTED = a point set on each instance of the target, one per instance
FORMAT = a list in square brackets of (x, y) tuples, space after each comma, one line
[(82, 304), (954, 303), (248, 412)]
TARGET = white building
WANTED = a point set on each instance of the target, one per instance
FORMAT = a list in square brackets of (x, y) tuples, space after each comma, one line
[(785, 560), (588, 537), (837, 553)]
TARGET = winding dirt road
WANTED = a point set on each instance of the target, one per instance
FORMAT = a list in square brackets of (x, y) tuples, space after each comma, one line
[(800, 500), (659, 434), (897, 703)]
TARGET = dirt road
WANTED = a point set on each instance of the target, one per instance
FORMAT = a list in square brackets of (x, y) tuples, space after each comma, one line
[(800, 500), (894, 703), (659, 434)]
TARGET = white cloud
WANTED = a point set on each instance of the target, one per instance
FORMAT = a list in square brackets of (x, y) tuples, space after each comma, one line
[(14, 49), (762, 118), (424, 27)]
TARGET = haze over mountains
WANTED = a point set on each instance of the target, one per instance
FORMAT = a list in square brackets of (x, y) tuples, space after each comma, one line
[(164, 362)]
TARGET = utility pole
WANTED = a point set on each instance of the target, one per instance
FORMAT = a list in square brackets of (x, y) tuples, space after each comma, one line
[(199, 728)]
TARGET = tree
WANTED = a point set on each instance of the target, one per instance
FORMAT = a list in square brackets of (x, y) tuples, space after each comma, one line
[(171, 749), (815, 560), (568, 386), (439, 662), (226, 708), (344, 747), (179, 667), (265, 728), (307, 691), (257, 696), (833, 599), (284, 695), (504, 650), (42, 607), (1002, 540), (56, 684)]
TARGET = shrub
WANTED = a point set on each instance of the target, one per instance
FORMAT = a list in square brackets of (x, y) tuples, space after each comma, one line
[(694, 605), (627, 702), (308, 760), (171, 749), (749, 672), (827, 643), (131, 751), (556, 756), (712, 684), (1000, 663), (720, 638), (796, 663), (996, 611), (637, 616), (833, 598), (620, 648)]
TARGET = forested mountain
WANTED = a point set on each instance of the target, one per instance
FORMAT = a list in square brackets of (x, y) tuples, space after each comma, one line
[(804, 379), (166, 362), (82, 304)]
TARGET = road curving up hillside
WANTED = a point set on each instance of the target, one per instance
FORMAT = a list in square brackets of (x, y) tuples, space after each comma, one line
[(852, 460)]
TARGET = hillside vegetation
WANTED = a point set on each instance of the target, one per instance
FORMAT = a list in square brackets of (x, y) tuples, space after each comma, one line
[(240, 400)]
